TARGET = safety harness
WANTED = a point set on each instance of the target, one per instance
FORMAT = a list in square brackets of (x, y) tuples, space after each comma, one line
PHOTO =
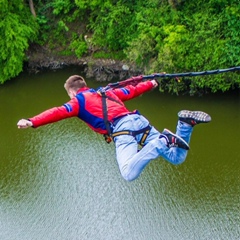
[(110, 136), (145, 132)]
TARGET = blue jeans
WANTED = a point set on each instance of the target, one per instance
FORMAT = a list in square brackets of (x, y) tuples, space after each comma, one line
[(131, 160)]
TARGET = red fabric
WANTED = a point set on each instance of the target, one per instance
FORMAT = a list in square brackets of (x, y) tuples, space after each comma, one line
[(114, 109)]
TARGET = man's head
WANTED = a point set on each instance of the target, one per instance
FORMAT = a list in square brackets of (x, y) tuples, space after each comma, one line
[(73, 84)]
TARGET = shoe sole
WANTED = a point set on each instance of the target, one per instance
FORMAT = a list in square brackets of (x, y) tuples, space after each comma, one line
[(176, 136), (198, 116)]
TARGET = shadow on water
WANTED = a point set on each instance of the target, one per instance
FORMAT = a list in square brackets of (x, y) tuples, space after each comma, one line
[(61, 181)]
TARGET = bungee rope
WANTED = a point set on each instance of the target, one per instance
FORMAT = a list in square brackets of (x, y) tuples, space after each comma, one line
[(192, 74), (135, 80)]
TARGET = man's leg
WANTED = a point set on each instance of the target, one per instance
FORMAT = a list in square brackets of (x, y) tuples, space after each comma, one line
[(172, 147), (177, 153), (186, 121), (131, 162)]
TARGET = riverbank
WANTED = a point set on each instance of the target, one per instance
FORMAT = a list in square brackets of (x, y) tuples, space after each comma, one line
[(40, 58)]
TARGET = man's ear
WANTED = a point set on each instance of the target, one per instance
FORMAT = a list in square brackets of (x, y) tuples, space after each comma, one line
[(74, 92)]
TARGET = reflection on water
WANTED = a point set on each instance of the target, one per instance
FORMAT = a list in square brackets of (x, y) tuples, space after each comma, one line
[(61, 181)]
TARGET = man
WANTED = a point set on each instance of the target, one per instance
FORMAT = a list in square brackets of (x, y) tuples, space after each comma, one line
[(105, 113)]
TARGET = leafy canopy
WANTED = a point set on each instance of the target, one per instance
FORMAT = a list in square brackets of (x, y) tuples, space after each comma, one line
[(17, 28), (167, 35)]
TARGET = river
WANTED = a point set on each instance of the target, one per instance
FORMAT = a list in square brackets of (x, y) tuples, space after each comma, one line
[(61, 181)]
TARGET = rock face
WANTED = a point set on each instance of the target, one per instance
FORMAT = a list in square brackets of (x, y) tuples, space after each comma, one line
[(40, 58), (107, 69)]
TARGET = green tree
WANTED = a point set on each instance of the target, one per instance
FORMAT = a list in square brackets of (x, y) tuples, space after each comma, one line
[(17, 28), (196, 36), (168, 35)]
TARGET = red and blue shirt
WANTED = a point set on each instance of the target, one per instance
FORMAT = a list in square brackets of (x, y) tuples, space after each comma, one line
[(87, 105)]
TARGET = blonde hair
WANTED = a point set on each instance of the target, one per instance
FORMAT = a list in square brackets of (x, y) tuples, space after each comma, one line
[(75, 82)]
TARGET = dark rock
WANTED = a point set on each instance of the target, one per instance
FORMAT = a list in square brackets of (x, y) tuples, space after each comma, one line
[(41, 58)]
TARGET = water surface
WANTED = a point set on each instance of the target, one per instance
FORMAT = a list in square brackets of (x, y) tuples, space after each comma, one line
[(61, 181)]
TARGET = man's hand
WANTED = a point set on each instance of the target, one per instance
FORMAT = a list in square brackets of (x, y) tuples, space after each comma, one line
[(24, 123), (155, 83)]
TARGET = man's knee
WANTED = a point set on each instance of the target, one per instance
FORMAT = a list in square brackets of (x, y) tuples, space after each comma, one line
[(176, 160), (128, 175)]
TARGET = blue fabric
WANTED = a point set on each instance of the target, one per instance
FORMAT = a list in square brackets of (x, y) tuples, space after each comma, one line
[(131, 161), (125, 91), (93, 120), (68, 107)]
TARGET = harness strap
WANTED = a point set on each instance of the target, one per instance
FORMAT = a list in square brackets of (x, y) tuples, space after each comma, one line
[(104, 97), (145, 130), (108, 137), (144, 137), (105, 112)]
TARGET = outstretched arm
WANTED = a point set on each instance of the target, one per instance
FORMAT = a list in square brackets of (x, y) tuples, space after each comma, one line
[(129, 92), (52, 115)]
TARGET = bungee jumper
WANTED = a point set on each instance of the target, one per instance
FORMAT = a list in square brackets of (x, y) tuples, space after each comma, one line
[(103, 110)]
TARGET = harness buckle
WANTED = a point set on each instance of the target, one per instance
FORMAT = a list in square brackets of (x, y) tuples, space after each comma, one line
[(107, 138), (131, 133)]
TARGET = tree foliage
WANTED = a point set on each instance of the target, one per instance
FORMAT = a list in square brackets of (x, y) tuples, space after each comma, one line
[(196, 37), (17, 28), (167, 35)]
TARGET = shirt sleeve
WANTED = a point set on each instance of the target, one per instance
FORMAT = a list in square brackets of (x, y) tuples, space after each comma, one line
[(129, 92), (69, 109)]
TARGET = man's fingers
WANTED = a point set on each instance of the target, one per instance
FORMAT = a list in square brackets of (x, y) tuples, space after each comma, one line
[(23, 123)]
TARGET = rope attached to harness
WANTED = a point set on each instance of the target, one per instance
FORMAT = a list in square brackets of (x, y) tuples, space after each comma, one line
[(110, 136), (135, 80)]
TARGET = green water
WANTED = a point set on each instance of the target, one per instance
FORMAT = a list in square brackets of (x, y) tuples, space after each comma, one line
[(61, 181)]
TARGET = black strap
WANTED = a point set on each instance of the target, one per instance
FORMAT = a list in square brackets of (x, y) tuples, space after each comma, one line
[(110, 135), (105, 112), (102, 93), (112, 99), (144, 136), (145, 130)]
